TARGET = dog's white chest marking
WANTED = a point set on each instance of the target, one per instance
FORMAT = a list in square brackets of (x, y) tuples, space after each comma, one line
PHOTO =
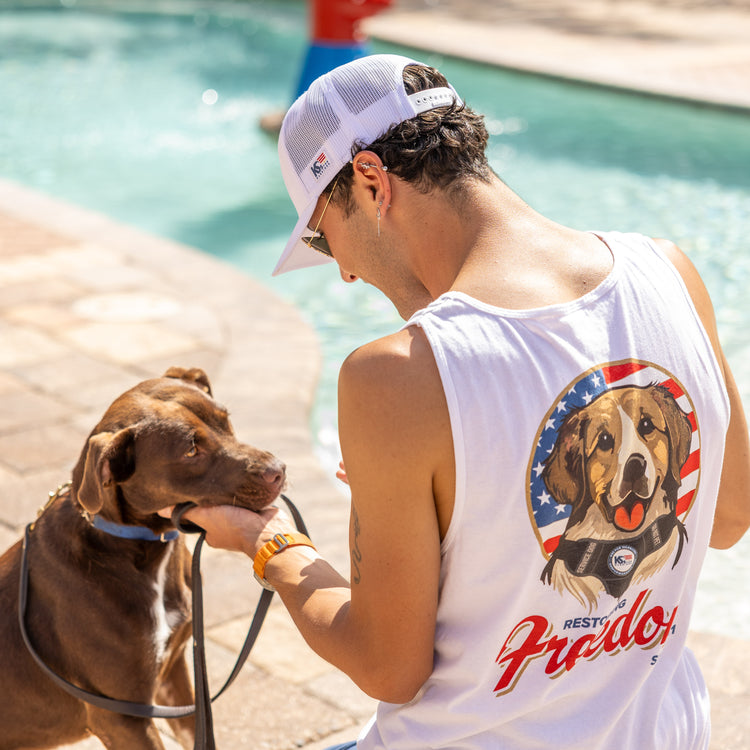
[(164, 621)]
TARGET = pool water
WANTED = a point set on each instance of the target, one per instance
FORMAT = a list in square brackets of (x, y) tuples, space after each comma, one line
[(153, 119)]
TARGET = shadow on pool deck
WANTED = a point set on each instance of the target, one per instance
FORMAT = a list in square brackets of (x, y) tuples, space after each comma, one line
[(68, 277)]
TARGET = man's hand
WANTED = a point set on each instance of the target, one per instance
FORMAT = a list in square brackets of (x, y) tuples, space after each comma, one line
[(238, 529)]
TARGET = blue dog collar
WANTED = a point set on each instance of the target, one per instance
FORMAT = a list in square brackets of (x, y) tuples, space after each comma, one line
[(133, 532)]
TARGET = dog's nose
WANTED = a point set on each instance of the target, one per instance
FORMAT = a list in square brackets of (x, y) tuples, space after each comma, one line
[(635, 468), (275, 473), (634, 476)]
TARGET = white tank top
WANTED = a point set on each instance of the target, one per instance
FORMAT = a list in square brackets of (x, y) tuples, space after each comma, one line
[(589, 439)]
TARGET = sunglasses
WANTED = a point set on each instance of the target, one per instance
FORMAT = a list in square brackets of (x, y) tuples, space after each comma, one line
[(317, 241)]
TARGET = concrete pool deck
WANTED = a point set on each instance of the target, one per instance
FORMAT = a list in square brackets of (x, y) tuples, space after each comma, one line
[(89, 307), (697, 50)]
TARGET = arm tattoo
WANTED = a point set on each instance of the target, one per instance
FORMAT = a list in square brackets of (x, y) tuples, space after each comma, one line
[(356, 554)]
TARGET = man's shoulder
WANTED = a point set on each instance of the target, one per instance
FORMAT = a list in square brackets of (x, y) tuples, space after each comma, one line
[(398, 370), (406, 350), (391, 395)]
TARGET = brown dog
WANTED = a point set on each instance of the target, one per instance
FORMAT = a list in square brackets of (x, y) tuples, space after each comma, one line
[(617, 462), (112, 614)]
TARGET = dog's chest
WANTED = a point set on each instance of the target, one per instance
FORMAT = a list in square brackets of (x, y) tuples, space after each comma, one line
[(165, 617)]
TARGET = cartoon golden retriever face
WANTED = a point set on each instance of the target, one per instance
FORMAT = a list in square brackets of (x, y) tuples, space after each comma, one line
[(617, 452), (617, 463)]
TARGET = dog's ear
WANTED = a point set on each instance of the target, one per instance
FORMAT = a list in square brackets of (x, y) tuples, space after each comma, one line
[(679, 429), (563, 471), (108, 458), (194, 375)]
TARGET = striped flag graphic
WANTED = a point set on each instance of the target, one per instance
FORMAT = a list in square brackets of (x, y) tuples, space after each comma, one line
[(550, 518)]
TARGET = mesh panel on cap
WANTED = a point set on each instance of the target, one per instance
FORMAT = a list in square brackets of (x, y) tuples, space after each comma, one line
[(360, 92), (309, 127)]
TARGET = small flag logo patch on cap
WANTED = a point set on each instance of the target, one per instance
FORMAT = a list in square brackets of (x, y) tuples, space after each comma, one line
[(320, 164)]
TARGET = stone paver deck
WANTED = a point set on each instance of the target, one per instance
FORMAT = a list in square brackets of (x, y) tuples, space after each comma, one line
[(697, 50)]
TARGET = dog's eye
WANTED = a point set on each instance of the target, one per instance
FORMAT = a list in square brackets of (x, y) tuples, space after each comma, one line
[(192, 452), (645, 426), (605, 442)]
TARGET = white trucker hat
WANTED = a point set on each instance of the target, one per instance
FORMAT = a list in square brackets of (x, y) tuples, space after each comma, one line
[(354, 103)]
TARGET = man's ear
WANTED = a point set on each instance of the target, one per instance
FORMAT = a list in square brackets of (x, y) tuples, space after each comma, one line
[(370, 172), (107, 459)]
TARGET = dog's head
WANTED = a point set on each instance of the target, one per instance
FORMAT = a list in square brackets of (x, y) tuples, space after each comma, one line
[(165, 442), (617, 452)]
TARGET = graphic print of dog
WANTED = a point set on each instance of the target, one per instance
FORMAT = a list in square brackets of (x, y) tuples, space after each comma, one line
[(617, 463), (113, 614)]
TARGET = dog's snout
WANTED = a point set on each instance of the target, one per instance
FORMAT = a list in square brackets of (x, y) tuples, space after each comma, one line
[(635, 468), (275, 473), (634, 477)]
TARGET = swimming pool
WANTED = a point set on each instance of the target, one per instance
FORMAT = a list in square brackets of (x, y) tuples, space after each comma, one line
[(152, 118)]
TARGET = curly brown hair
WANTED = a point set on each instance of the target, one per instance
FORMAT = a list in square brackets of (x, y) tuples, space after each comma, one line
[(438, 148)]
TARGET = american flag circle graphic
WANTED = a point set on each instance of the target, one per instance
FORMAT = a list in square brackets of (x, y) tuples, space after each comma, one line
[(550, 518)]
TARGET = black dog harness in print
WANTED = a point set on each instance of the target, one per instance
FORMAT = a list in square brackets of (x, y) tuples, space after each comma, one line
[(615, 562)]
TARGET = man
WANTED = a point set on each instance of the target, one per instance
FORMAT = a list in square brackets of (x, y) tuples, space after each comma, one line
[(527, 524)]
